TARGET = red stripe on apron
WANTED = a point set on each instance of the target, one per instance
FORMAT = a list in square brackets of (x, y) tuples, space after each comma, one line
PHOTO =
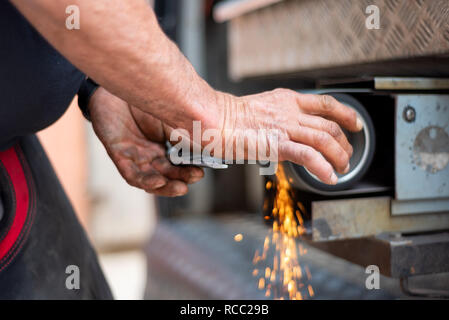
[(14, 169)]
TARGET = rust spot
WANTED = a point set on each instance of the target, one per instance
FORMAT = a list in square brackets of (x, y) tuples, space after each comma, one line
[(431, 149)]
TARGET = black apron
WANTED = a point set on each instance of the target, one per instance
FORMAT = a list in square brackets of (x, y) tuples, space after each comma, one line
[(41, 239)]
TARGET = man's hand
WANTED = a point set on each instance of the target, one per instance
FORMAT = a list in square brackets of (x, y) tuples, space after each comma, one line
[(121, 46), (140, 158), (309, 127)]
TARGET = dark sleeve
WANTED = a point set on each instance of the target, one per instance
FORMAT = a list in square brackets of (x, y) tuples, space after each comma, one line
[(87, 89)]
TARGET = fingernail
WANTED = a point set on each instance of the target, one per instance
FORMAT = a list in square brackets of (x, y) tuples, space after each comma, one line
[(157, 184), (334, 178), (359, 124), (347, 169), (180, 193), (196, 173), (194, 179)]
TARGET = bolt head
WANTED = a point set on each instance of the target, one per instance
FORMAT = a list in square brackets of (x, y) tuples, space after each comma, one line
[(409, 114)]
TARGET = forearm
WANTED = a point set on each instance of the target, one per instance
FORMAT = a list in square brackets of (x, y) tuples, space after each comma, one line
[(121, 46)]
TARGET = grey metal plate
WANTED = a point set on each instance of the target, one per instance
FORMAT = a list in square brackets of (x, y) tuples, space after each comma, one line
[(422, 148)]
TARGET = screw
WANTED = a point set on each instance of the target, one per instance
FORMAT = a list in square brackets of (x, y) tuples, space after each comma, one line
[(409, 114)]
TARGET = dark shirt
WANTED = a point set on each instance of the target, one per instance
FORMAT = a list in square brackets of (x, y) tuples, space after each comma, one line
[(37, 84)]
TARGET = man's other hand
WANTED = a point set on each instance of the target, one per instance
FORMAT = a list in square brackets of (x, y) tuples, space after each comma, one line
[(140, 158)]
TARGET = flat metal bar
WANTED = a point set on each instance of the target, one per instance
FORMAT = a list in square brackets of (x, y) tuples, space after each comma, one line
[(407, 83), (399, 207), (363, 217), (231, 9), (396, 255)]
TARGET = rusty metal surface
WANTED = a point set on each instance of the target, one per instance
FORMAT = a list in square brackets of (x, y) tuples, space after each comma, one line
[(302, 35), (357, 218)]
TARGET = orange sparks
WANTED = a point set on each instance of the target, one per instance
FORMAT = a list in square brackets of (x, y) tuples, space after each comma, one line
[(261, 283), (311, 293), (285, 278), (256, 257), (309, 275), (273, 277), (267, 273)]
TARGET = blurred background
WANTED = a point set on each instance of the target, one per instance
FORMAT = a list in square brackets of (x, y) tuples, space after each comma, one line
[(202, 245)]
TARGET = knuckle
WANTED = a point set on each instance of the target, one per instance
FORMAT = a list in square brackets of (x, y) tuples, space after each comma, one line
[(306, 155), (334, 129), (343, 159), (279, 91), (327, 102), (283, 92), (351, 151), (322, 139), (352, 115)]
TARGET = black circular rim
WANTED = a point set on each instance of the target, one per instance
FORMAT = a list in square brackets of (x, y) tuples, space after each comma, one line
[(312, 182)]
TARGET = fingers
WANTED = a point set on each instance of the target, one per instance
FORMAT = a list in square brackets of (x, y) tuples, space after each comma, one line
[(176, 177), (329, 107), (151, 180), (326, 144), (328, 126), (187, 174), (309, 158), (150, 170), (173, 188), (150, 126), (134, 175)]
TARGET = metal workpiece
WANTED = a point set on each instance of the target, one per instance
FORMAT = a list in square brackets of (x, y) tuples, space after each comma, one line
[(422, 150), (364, 217), (176, 157)]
